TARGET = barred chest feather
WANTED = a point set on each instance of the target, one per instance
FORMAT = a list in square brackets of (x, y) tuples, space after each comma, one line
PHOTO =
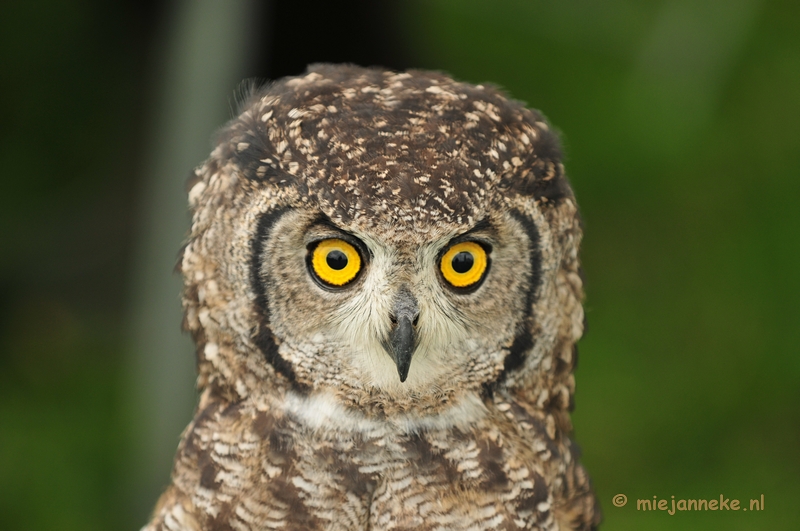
[(243, 466)]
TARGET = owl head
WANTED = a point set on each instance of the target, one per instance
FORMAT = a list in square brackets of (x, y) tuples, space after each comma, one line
[(393, 241)]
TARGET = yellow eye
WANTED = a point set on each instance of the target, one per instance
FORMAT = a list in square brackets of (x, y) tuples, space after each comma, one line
[(464, 264), (335, 262)]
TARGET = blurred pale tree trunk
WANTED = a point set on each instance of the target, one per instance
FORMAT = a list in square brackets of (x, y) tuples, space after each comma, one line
[(205, 51)]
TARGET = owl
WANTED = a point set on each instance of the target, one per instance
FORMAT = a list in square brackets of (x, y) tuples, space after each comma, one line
[(383, 284)]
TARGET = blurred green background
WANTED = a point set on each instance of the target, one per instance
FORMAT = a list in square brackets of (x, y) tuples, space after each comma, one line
[(681, 126)]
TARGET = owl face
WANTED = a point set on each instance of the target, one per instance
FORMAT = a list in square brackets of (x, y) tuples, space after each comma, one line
[(394, 240), (405, 313)]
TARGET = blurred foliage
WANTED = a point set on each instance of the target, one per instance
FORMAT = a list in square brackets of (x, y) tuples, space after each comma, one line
[(681, 126), (71, 89)]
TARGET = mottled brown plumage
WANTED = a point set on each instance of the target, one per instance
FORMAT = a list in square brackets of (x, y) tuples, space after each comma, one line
[(303, 422)]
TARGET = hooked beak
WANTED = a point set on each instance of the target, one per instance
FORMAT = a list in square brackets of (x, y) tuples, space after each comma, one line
[(403, 337)]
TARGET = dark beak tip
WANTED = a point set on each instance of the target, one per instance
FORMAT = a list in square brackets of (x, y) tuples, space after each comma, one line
[(401, 345), (403, 372)]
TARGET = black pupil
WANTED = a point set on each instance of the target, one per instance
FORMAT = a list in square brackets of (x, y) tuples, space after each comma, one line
[(462, 262), (336, 260)]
